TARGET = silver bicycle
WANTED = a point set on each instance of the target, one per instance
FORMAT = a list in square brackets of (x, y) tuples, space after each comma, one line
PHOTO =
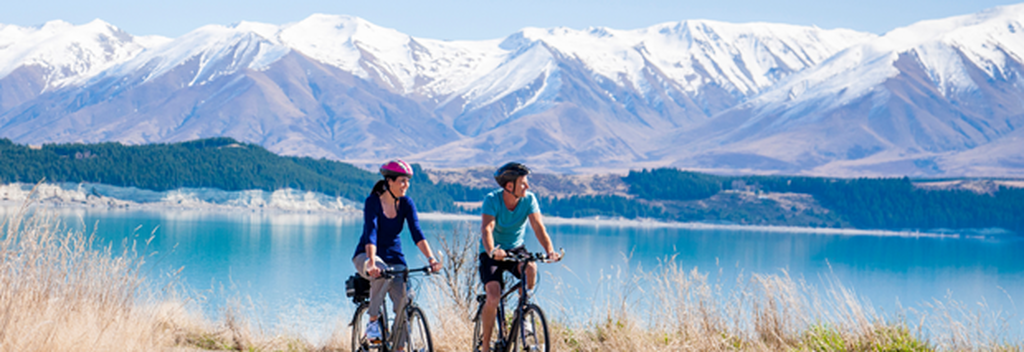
[(409, 332)]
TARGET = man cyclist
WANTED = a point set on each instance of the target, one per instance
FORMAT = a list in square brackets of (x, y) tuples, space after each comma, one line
[(505, 212)]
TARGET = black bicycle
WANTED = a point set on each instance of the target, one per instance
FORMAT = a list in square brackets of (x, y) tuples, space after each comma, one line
[(409, 330), (527, 330)]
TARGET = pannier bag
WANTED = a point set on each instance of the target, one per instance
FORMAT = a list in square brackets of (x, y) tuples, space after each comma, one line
[(358, 288)]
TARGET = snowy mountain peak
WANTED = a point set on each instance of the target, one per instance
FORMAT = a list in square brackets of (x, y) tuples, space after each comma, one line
[(267, 31), (342, 27), (1000, 19), (216, 51), (988, 40), (68, 53), (344, 41), (746, 58), (908, 100)]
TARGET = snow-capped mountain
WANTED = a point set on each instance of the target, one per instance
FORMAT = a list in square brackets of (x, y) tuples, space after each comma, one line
[(756, 97), (598, 96), (908, 102), (68, 53), (58, 54)]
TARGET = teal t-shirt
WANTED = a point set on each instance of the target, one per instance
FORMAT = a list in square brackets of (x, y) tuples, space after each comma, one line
[(509, 226)]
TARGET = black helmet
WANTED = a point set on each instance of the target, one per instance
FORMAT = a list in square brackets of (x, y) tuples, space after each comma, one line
[(510, 172)]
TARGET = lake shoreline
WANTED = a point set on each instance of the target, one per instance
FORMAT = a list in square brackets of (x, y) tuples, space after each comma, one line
[(653, 223), (96, 196)]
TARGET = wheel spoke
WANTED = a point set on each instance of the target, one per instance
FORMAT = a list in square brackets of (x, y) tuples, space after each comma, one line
[(533, 334), (418, 332), (359, 322)]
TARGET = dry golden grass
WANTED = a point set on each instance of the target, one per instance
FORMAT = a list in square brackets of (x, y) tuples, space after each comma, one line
[(683, 310), (59, 292)]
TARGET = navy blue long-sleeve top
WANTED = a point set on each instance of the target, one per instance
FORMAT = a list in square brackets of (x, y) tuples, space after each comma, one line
[(383, 232)]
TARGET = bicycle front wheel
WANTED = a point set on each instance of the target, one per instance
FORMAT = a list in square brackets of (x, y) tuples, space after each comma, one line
[(533, 333), (419, 332), (359, 321)]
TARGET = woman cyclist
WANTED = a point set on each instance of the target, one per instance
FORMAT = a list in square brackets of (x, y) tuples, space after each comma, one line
[(380, 248)]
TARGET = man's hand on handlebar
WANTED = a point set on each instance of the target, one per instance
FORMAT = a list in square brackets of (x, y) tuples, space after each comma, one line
[(498, 254), (554, 256)]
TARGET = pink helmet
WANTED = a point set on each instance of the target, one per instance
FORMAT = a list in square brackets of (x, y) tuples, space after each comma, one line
[(395, 168)]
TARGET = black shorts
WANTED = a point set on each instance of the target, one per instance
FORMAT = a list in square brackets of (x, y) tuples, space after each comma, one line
[(491, 270)]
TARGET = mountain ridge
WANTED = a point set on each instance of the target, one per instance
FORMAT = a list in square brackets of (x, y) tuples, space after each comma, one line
[(697, 94), (906, 108)]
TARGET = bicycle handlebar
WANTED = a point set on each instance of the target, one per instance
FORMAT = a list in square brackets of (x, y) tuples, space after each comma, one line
[(533, 257), (392, 273)]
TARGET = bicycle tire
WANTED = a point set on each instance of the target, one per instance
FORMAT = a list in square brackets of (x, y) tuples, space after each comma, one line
[(359, 320), (496, 336), (418, 332), (532, 333), (478, 330), (478, 327)]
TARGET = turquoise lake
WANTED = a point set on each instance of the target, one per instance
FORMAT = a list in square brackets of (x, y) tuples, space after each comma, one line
[(290, 268)]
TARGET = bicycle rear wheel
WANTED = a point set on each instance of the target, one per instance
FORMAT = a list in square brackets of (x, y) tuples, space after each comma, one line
[(418, 332), (532, 335), (359, 321)]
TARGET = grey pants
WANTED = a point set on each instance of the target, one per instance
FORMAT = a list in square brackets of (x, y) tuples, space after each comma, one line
[(377, 285)]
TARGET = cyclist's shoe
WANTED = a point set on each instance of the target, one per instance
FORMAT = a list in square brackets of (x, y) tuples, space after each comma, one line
[(373, 332)]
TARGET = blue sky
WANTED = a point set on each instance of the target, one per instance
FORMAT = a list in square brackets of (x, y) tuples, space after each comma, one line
[(485, 19)]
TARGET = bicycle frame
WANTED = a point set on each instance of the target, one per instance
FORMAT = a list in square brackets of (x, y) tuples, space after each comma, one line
[(390, 340), (506, 335), (505, 340)]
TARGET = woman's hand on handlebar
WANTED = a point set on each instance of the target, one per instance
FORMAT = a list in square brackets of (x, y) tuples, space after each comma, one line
[(435, 265), (372, 269)]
